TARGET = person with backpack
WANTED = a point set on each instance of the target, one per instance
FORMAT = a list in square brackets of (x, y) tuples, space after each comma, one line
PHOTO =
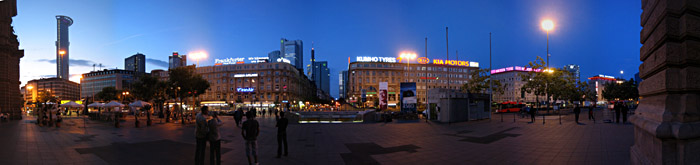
[(282, 134), (215, 139), (250, 132), (201, 133)]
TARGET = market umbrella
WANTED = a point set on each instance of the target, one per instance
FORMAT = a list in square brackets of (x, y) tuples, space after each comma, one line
[(96, 104), (139, 103), (72, 105), (113, 104)]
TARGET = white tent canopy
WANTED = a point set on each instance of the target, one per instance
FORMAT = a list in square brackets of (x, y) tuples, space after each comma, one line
[(96, 104), (113, 104), (139, 103)]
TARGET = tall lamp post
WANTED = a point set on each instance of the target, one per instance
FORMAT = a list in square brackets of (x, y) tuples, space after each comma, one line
[(198, 56), (547, 25)]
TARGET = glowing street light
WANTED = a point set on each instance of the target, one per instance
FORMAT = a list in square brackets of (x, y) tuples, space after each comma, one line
[(547, 25), (198, 56), (62, 52), (409, 56)]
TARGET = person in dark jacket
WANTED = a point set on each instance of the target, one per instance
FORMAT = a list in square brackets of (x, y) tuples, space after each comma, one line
[(590, 113), (617, 108), (215, 139), (624, 110), (238, 116), (577, 112), (201, 133), (282, 123), (250, 132)]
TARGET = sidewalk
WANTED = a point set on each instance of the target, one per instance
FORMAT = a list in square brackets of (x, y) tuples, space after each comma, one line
[(474, 142)]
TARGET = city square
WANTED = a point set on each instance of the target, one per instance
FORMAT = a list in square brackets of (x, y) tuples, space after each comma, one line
[(350, 82)]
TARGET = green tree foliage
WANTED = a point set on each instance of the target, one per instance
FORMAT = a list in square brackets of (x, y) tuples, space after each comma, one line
[(185, 83), (621, 91), (479, 82), (108, 94), (145, 88)]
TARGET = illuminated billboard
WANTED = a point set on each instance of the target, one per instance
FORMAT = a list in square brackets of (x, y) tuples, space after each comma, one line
[(515, 68), (245, 90), (420, 60)]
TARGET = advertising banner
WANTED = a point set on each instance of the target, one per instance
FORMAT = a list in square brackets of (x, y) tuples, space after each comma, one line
[(408, 97), (383, 90)]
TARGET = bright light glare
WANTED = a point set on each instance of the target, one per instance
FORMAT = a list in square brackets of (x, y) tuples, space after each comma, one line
[(198, 55), (547, 25), (30, 87), (61, 52), (622, 72), (408, 55), (76, 78)]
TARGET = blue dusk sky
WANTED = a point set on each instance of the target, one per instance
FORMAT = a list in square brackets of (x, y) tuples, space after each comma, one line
[(601, 36)]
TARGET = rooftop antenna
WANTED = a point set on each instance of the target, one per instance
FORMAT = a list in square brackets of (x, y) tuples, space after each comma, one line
[(93, 67)]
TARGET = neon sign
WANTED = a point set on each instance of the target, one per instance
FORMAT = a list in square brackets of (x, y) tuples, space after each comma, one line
[(423, 60), (248, 89), (376, 59), (228, 61), (246, 75), (515, 68), (454, 62)]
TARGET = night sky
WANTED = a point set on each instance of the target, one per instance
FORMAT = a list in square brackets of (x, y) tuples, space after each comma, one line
[(600, 36)]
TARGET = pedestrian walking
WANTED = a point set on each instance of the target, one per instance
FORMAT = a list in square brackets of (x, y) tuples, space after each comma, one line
[(238, 116), (532, 113), (215, 139), (201, 133), (617, 108), (590, 113), (250, 132), (282, 134), (577, 112), (624, 110)]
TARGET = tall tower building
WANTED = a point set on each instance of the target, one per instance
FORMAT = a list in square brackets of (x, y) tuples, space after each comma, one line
[(322, 76), (177, 60), (10, 97), (342, 82), (574, 69), (136, 63), (62, 43), (293, 51)]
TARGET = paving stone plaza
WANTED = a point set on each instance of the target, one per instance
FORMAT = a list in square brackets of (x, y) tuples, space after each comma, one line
[(398, 142)]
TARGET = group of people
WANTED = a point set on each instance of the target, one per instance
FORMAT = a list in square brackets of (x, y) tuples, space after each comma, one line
[(621, 110), (207, 129)]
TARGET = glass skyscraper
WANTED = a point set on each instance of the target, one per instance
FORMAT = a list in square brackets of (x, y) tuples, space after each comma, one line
[(293, 51), (62, 24)]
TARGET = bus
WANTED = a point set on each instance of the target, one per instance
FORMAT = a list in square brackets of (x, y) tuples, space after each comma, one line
[(509, 106)]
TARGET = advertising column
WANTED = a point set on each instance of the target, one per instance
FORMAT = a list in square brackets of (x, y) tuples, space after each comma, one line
[(383, 87), (408, 97)]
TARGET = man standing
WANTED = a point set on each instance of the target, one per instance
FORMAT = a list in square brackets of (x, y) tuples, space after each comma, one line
[(282, 134), (624, 110), (617, 108), (238, 116), (215, 139), (532, 114), (201, 133), (250, 132), (590, 113), (577, 112)]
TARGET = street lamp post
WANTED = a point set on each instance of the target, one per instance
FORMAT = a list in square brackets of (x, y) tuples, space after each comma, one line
[(547, 25)]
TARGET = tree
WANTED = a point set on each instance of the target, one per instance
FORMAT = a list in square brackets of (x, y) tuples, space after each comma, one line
[(535, 82), (479, 82), (621, 90), (108, 94), (185, 83), (43, 98), (147, 88)]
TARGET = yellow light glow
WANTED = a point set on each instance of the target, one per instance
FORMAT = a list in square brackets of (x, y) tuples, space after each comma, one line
[(198, 55), (547, 25), (30, 87), (76, 78), (61, 52)]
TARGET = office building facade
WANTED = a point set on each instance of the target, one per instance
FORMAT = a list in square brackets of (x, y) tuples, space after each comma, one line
[(365, 74), (342, 84), (293, 52), (575, 70), (95, 81), (62, 43), (511, 79), (61, 88), (256, 83), (177, 60), (136, 63), (320, 75)]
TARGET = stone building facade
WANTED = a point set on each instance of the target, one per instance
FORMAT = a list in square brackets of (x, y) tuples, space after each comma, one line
[(10, 97), (667, 121)]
